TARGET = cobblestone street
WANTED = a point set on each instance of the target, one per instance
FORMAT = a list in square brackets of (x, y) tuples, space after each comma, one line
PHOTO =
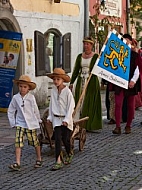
[(108, 162)]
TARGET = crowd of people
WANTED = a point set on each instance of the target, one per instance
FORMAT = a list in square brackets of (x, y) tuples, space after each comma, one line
[(121, 103), (26, 118)]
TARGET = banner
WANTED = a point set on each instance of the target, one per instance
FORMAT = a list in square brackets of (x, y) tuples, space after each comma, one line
[(113, 63), (10, 43)]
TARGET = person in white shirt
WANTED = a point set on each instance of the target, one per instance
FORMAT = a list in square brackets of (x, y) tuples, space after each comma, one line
[(133, 88), (60, 115), (23, 114), (11, 60)]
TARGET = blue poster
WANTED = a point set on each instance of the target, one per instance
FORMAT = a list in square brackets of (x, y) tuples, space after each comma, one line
[(10, 43), (113, 64)]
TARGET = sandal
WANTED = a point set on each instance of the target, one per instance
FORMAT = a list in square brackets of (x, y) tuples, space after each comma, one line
[(57, 166), (15, 167), (38, 164), (68, 159)]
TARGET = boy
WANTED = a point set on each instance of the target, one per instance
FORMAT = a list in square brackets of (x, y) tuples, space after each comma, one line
[(23, 114), (60, 115)]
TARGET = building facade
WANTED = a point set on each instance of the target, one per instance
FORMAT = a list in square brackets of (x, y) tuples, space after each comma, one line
[(114, 10), (52, 37)]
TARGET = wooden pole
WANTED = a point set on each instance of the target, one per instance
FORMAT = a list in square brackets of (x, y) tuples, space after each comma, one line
[(82, 95), (84, 90)]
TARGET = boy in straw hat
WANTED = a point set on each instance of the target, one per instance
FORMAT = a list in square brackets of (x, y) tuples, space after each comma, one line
[(60, 115), (23, 114)]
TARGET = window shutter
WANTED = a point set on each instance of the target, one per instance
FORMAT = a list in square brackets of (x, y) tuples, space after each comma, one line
[(66, 53), (56, 51), (39, 53), (57, 1)]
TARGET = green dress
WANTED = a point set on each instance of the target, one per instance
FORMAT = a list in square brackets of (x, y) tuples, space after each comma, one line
[(92, 101)]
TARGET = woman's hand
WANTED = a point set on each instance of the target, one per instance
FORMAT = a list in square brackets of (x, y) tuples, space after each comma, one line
[(71, 87), (49, 122), (131, 84)]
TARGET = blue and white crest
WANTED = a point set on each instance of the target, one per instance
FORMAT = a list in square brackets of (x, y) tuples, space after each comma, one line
[(113, 63)]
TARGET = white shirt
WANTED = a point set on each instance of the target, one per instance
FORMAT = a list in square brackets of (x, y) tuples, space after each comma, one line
[(62, 105), (11, 63), (24, 112), (136, 75)]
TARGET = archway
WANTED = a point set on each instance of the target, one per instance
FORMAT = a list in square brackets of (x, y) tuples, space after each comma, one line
[(8, 22)]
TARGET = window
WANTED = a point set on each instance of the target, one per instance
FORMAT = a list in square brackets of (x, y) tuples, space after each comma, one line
[(52, 50), (39, 54), (66, 53)]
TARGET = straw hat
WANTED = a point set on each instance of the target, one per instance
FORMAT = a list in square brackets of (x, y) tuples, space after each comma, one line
[(26, 80), (58, 72), (89, 39)]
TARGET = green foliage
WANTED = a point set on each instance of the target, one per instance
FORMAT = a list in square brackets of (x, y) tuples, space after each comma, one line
[(136, 15), (135, 8), (98, 28)]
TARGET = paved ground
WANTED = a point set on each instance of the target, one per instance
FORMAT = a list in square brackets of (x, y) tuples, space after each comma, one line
[(108, 162)]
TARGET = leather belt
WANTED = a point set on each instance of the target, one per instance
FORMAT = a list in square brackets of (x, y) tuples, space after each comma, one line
[(59, 115)]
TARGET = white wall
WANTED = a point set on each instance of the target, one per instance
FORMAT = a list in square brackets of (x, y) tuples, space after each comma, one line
[(31, 21)]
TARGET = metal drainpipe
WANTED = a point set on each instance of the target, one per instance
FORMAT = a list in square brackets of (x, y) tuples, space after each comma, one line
[(86, 18)]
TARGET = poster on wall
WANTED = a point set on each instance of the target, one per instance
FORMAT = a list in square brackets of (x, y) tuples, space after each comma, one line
[(113, 63), (10, 43), (112, 8)]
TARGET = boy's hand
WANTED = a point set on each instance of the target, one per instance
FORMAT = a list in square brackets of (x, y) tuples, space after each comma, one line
[(64, 123)]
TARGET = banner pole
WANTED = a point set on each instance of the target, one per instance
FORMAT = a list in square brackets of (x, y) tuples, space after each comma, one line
[(84, 90), (82, 95)]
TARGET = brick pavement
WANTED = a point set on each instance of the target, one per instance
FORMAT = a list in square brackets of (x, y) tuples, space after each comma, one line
[(108, 162)]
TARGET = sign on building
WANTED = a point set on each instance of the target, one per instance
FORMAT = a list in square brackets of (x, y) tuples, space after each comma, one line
[(10, 43)]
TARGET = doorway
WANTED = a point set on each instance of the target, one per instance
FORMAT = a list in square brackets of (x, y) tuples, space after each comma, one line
[(9, 23)]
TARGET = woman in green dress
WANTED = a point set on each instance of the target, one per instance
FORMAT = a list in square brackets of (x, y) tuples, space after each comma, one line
[(91, 105)]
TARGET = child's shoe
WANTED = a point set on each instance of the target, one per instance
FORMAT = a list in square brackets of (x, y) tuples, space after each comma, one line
[(15, 167), (57, 166), (68, 160), (38, 164)]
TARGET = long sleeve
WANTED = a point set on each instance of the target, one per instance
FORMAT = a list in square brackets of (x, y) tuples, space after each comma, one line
[(136, 75), (70, 108), (36, 110), (50, 111), (93, 61), (76, 69), (26, 116), (62, 106), (11, 113)]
